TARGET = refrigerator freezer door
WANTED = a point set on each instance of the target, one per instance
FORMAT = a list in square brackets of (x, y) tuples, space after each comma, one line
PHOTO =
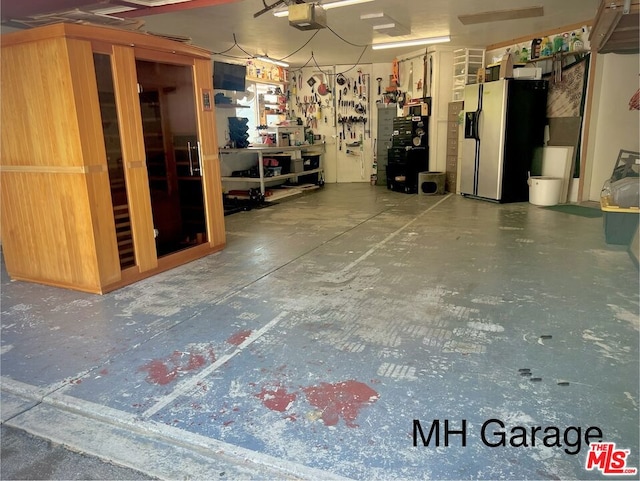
[(470, 146), (491, 131)]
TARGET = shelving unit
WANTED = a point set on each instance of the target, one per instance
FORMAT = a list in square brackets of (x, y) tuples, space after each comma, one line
[(294, 152), (466, 62), (563, 55), (280, 83), (154, 140), (272, 106), (231, 106), (613, 30)]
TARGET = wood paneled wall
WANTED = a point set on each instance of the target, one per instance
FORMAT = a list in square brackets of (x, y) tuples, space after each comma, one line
[(209, 156), (54, 167), (133, 156)]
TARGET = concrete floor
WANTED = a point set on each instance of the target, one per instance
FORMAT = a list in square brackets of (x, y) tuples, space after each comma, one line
[(308, 347), (28, 457)]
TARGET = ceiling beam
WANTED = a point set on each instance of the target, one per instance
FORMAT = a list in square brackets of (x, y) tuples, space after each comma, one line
[(35, 7), (501, 15), (144, 11)]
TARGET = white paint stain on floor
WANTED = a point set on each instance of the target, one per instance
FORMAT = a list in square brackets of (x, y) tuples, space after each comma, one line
[(398, 372), (607, 348), (632, 318), (464, 347), (488, 300), (631, 398), (485, 326)]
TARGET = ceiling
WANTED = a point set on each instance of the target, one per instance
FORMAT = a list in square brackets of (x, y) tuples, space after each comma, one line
[(212, 24)]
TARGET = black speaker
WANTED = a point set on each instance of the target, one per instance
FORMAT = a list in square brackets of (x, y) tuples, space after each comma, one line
[(239, 132)]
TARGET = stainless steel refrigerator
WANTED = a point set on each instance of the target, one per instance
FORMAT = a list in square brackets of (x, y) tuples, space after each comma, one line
[(504, 122)]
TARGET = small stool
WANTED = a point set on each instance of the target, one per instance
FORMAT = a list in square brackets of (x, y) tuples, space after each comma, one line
[(431, 183)]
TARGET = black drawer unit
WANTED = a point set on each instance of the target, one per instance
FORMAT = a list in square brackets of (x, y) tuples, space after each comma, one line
[(410, 131), (397, 154), (403, 168)]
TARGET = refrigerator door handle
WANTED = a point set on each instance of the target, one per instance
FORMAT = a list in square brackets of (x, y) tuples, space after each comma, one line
[(471, 125)]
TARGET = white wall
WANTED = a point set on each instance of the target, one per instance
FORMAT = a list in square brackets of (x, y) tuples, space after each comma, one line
[(441, 91), (612, 125)]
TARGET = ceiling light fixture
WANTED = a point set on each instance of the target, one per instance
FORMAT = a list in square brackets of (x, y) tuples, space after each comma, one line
[(342, 3), (383, 23), (374, 18), (327, 6), (411, 43), (267, 59), (392, 29)]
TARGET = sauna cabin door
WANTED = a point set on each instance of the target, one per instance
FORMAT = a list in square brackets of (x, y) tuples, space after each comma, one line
[(173, 155)]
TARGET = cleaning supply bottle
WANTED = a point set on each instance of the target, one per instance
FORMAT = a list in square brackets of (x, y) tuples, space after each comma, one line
[(557, 44), (576, 42), (535, 48), (546, 49)]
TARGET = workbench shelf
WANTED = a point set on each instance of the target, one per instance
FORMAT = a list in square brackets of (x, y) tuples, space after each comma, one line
[(294, 153), (231, 106), (265, 81), (569, 53)]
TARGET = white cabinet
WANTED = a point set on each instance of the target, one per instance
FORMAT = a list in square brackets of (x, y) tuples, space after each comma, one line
[(466, 62)]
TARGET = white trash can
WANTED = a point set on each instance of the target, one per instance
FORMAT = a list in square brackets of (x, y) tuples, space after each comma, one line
[(544, 190)]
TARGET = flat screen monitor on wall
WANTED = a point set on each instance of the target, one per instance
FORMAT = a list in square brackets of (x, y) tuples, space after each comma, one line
[(229, 76)]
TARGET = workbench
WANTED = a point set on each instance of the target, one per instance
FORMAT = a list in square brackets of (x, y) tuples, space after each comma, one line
[(259, 153)]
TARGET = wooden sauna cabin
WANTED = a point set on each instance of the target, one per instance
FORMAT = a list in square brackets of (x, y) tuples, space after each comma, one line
[(109, 168)]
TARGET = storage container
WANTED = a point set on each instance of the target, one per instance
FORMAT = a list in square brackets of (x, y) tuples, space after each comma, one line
[(544, 191), (311, 162), (619, 223), (620, 199)]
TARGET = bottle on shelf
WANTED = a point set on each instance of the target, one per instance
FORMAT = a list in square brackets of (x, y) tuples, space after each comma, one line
[(536, 48), (576, 42), (546, 49)]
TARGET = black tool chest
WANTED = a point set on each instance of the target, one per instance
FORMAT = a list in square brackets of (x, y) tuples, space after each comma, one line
[(409, 153)]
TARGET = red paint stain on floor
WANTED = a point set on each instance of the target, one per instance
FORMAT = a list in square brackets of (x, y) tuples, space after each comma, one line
[(276, 398), (159, 373), (239, 337), (196, 361), (164, 371), (340, 400)]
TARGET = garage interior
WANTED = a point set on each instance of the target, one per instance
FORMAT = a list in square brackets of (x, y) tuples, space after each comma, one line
[(311, 338)]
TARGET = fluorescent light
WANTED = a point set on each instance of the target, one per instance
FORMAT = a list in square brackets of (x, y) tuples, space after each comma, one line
[(264, 58), (411, 43), (374, 17), (342, 3), (392, 29), (383, 23), (284, 12)]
